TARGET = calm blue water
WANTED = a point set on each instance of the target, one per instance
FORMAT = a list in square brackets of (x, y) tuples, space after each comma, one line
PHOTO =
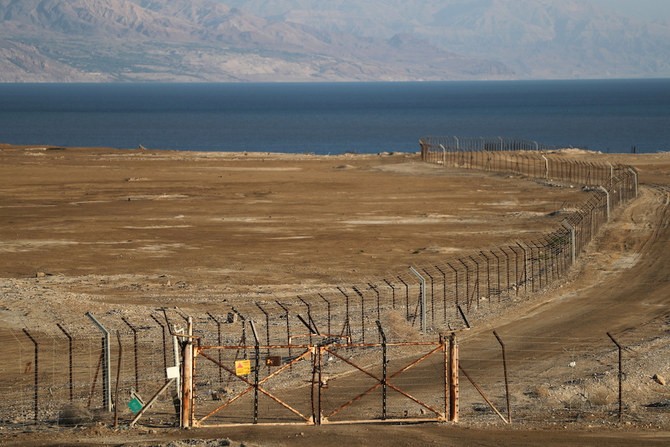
[(335, 118)]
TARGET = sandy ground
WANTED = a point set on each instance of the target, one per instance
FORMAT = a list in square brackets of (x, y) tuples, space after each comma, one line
[(188, 229), (104, 229)]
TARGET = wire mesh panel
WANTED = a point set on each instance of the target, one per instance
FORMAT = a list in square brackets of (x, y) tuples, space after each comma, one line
[(350, 383), (324, 383), (19, 374), (561, 378), (256, 386), (382, 382)]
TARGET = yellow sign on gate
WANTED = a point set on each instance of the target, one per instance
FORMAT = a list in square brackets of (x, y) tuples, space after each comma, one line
[(242, 367)]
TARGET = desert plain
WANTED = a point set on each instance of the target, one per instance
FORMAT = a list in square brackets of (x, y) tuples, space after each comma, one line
[(108, 230)]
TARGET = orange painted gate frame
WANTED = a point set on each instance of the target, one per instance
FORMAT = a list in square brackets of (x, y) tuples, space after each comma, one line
[(317, 352), (385, 382)]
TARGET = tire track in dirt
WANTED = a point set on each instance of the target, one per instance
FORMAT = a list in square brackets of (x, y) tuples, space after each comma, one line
[(598, 298), (571, 323), (594, 305)]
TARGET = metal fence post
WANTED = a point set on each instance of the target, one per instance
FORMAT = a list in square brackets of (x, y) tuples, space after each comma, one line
[(467, 284), (69, 337), (620, 377), (218, 333), (507, 264), (406, 297), (572, 239), (36, 385), (444, 291), (328, 311), (319, 418), (118, 378), (432, 297), (531, 245), (423, 298), (498, 291), (525, 266), (346, 327), (267, 326), (187, 377), (392, 293), (178, 362), (316, 375), (383, 337), (288, 327), (358, 292), (516, 270), (106, 379), (504, 356), (162, 326), (132, 328), (374, 288), (532, 267), (488, 274), (611, 171), (97, 371), (257, 367), (634, 172), (455, 282), (476, 288), (607, 193), (453, 379)]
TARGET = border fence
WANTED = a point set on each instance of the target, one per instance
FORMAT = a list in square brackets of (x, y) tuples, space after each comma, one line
[(527, 158), (67, 374), (481, 144)]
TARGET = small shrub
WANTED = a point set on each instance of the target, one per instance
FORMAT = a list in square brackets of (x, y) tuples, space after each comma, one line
[(600, 395), (75, 414), (540, 392), (397, 327)]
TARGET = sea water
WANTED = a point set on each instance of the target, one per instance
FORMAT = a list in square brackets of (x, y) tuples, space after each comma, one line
[(332, 118)]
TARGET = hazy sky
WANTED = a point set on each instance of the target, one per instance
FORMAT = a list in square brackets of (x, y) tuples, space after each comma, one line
[(642, 9)]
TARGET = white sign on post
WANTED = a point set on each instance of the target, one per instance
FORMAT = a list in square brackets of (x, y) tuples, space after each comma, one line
[(172, 372)]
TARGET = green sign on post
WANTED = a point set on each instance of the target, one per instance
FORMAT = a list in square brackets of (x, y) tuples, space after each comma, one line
[(135, 405)]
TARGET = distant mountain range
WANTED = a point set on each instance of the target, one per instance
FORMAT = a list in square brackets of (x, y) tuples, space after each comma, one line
[(312, 40)]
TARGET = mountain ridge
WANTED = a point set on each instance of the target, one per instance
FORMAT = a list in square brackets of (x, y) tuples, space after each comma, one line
[(227, 40), (534, 38)]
